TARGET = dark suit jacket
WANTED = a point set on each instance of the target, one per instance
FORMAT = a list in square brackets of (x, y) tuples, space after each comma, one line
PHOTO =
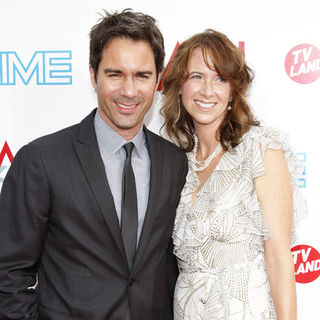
[(58, 220)]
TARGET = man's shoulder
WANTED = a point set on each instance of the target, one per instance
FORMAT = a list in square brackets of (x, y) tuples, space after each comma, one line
[(47, 147), (59, 137), (66, 135)]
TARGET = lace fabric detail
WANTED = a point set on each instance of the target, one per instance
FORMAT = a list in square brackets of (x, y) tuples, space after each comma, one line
[(224, 232)]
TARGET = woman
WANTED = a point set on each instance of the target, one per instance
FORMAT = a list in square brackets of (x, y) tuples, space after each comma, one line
[(233, 227)]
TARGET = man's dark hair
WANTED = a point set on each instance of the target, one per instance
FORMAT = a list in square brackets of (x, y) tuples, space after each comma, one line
[(127, 24)]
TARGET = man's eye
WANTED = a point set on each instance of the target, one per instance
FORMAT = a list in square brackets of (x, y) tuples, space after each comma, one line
[(142, 76)]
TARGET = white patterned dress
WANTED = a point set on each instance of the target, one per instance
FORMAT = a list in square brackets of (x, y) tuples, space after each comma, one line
[(219, 240)]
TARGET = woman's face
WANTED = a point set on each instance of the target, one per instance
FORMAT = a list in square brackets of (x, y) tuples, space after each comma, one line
[(205, 95)]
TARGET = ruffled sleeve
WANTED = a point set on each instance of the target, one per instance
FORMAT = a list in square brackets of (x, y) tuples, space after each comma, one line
[(260, 139)]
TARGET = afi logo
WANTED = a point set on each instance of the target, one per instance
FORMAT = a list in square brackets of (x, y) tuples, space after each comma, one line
[(45, 67), (303, 63), (5, 152)]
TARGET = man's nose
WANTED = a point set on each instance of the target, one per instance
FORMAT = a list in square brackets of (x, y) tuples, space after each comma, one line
[(128, 87)]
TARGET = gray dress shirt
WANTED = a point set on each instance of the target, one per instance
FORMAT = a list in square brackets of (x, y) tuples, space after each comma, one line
[(113, 155)]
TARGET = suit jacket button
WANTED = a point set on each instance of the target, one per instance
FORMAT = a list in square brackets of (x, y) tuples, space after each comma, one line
[(131, 282)]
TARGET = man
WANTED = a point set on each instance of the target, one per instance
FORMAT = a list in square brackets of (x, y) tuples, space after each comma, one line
[(86, 213)]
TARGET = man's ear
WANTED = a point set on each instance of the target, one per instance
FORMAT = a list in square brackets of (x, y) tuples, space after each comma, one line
[(93, 80)]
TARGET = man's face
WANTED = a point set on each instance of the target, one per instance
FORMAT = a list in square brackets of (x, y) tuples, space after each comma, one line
[(125, 84)]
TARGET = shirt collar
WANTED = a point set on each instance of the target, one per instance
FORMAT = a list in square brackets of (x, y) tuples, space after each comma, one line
[(111, 141)]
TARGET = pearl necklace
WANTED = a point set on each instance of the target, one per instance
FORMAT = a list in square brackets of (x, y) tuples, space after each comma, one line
[(203, 164)]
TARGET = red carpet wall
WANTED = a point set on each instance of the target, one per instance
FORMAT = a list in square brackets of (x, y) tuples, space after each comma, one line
[(45, 85)]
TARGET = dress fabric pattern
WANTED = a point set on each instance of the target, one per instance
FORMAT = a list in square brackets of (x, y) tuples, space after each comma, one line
[(219, 240)]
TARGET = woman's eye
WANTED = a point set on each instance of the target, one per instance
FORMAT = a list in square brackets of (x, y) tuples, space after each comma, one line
[(195, 76), (219, 79)]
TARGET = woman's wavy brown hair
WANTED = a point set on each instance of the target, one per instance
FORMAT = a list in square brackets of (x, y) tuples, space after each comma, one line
[(229, 63)]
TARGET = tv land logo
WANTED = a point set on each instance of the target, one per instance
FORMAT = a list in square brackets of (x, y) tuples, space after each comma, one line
[(44, 68), (5, 152), (302, 63), (302, 156), (306, 263)]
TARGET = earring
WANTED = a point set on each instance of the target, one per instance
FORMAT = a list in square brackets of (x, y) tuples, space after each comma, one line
[(229, 107)]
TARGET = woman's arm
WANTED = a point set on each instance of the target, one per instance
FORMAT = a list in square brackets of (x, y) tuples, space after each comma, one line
[(274, 192)]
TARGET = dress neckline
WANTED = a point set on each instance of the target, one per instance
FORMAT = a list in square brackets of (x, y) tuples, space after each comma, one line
[(194, 173)]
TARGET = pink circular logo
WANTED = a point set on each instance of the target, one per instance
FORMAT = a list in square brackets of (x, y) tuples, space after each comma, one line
[(303, 63), (306, 263)]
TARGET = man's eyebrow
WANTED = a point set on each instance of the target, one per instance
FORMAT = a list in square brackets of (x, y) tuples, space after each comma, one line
[(108, 70), (144, 73)]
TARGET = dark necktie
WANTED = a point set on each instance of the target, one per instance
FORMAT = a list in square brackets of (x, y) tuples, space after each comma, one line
[(129, 207)]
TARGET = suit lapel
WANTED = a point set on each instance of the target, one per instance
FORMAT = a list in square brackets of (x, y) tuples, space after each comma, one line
[(155, 175), (88, 152)]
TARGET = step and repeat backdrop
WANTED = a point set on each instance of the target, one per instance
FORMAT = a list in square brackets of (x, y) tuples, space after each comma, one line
[(45, 84)]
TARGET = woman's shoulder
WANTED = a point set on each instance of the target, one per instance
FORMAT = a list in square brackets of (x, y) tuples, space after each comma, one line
[(258, 140), (254, 144), (264, 137), (263, 132)]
